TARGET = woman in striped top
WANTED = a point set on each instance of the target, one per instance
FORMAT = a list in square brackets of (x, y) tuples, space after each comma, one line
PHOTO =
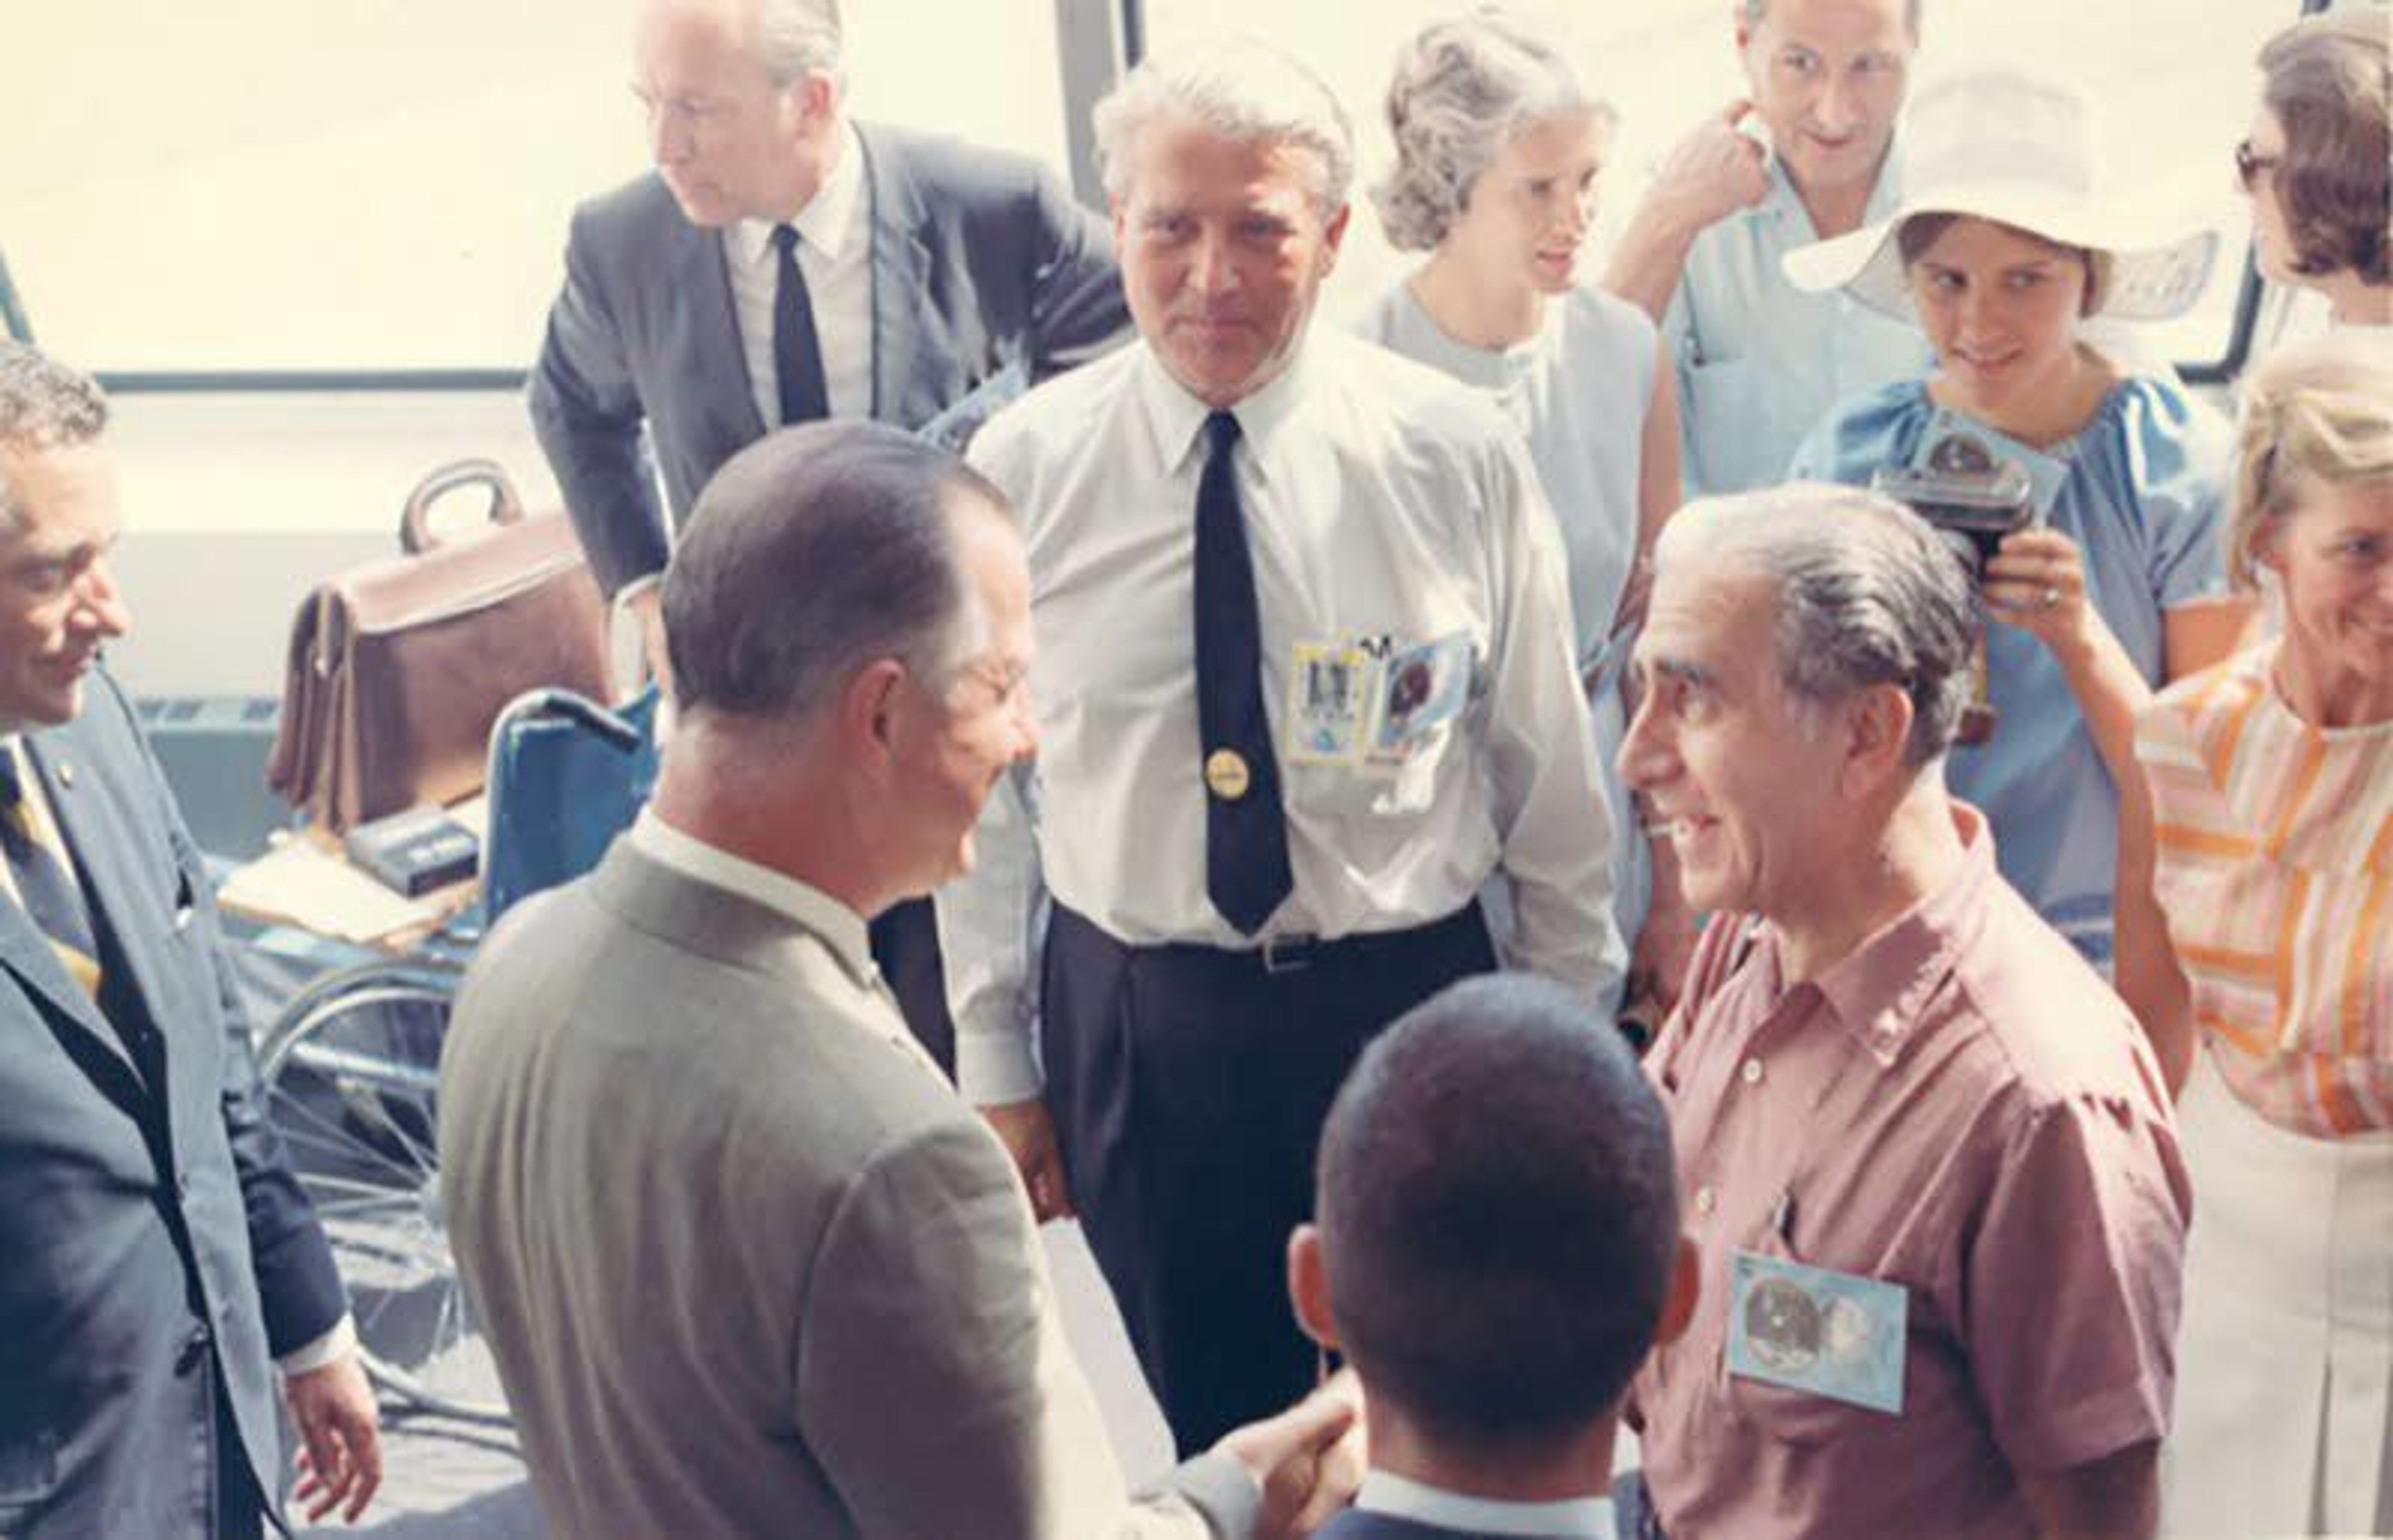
[(2256, 942)]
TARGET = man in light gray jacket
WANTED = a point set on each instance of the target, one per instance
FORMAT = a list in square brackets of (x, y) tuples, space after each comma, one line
[(746, 1262)]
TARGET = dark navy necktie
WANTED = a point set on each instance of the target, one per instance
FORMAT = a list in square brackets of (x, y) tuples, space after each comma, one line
[(43, 884), (1246, 829), (797, 352)]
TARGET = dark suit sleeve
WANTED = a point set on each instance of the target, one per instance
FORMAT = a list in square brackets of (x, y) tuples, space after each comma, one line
[(299, 1288), (1076, 308), (586, 410)]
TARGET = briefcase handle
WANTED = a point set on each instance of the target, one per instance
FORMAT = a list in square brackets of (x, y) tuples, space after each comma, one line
[(415, 535)]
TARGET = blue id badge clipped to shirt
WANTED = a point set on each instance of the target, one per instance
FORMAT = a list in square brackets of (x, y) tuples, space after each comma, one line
[(1832, 1333)]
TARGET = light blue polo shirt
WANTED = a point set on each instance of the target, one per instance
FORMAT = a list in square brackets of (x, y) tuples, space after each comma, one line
[(2140, 490), (1760, 362)]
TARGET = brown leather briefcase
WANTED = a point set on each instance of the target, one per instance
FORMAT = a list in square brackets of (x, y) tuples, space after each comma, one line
[(398, 669)]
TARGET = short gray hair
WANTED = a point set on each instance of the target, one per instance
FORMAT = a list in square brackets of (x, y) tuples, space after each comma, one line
[(813, 553), (1755, 9), (1867, 595), (1245, 91), (1462, 90), (43, 405), (795, 38)]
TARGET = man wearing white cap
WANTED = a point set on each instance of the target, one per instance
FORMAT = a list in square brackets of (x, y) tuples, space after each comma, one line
[(1804, 154), (2005, 245)]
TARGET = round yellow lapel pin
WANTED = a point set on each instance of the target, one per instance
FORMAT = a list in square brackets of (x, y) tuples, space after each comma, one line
[(1225, 773)]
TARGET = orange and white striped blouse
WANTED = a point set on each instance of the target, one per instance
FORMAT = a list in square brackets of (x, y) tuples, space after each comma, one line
[(2274, 864)]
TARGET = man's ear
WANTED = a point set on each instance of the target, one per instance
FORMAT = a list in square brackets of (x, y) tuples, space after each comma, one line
[(1686, 1288), (1876, 725), (868, 711), (1333, 235), (1308, 1285), (818, 99)]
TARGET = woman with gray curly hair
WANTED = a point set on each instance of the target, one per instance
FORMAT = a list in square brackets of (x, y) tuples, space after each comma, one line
[(1498, 147)]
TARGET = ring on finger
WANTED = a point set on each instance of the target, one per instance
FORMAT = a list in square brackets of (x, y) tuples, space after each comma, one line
[(2051, 597)]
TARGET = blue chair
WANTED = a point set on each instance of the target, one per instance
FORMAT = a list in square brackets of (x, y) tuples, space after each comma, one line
[(567, 776)]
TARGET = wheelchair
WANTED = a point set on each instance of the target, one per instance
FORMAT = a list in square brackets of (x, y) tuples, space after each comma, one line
[(351, 1064)]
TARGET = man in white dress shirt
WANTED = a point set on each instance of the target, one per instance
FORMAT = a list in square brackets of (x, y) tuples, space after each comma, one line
[(1305, 686)]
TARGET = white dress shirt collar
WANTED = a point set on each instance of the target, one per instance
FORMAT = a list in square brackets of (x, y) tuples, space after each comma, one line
[(1179, 417), (830, 221), (1578, 1517), (841, 928)]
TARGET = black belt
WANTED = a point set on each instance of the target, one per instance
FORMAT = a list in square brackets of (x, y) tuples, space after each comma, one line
[(1300, 951)]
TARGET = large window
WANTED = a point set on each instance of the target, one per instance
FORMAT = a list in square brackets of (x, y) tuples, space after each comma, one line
[(363, 185), (2173, 82)]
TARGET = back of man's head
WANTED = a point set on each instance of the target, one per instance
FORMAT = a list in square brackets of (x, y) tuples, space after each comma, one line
[(1498, 1217), (812, 553), (44, 405)]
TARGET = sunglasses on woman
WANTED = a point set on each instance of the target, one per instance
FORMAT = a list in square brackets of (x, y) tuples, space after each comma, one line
[(2250, 162)]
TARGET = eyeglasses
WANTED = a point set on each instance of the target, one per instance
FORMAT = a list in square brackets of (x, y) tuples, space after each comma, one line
[(2249, 164)]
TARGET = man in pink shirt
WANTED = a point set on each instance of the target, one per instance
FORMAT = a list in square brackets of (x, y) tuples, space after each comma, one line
[(1926, 1152)]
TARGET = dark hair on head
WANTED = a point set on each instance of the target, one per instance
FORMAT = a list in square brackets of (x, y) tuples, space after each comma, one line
[(812, 553), (2327, 80), (1915, 235), (1499, 1214)]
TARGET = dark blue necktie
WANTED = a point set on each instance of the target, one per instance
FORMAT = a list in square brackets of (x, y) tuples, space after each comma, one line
[(43, 885), (1246, 829), (797, 352)]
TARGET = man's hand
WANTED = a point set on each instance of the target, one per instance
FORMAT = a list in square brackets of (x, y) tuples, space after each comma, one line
[(1716, 170), (648, 607), (1029, 1135), (341, 1465), (1308, 1461)]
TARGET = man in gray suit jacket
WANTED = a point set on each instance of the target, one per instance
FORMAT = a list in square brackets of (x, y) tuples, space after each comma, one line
[(919, 271), (162, 1262), (747, 1264)]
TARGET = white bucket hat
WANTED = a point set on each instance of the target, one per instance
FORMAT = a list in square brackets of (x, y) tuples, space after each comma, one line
[(2001, 144)]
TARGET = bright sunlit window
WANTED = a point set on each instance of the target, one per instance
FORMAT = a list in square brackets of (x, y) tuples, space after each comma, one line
[(381, 184)]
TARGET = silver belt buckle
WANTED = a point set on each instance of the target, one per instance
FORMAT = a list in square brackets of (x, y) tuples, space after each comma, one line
[(1286, 954)]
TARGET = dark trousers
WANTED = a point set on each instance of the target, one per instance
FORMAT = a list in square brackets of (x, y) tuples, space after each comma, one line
[(1188, 1088), (906, 945), (241, 1508)]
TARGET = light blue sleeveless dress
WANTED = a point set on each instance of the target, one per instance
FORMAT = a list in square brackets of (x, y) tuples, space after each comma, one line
[(1579, 392), (2139, 489)]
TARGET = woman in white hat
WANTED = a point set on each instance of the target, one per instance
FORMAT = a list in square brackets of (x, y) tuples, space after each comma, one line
[(2004, 248), (1499, 148), (2254, 914)]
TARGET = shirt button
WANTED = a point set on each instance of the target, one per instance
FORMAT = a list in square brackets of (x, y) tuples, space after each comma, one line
[(1705, 1201), (1751, 1073)]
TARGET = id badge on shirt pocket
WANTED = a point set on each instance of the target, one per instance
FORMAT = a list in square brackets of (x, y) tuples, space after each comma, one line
[(1332, 687), (1807, 1328), (1423, 689)]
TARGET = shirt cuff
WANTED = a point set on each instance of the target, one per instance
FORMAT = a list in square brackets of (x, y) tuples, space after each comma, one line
[(338, 1343), (633, 587), (993, 1068)]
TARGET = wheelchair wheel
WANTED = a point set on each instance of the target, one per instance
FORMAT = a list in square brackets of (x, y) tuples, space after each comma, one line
[(351, 1069)]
